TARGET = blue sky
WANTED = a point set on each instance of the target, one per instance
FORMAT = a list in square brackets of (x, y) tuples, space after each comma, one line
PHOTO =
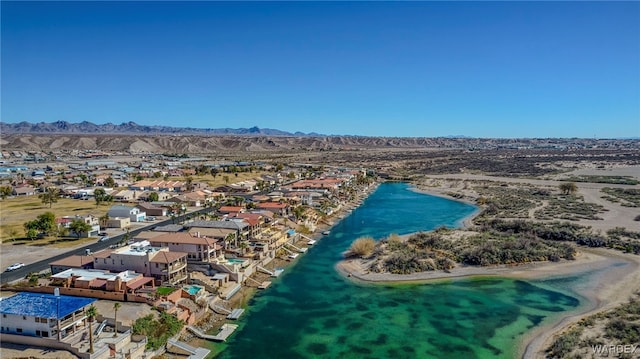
[(481, 69)]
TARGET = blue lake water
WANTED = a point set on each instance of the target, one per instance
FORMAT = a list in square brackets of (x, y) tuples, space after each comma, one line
[(313, 312)]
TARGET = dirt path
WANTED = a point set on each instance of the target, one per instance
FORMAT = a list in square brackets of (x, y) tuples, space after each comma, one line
[(614, 216)]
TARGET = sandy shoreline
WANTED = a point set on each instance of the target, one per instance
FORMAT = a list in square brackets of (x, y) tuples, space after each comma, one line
[(618, 278), (615, 279)]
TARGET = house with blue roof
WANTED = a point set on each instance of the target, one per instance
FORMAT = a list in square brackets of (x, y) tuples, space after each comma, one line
[(43, 315)]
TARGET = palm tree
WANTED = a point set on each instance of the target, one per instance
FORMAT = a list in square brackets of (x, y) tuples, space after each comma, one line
[(229, 238), (91, 313), (104, 220), (243, 246), (116, 306), (189, 183)]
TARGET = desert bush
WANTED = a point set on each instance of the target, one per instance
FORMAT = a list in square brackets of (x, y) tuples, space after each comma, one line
[(622, 330), (404, 262), (362, 247), (565, 343), (395, 243), (622, 232)]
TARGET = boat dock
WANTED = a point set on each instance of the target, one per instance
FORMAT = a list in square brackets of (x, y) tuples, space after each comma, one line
[(235, 314), (223, 334), (194, 353), (264, 285)]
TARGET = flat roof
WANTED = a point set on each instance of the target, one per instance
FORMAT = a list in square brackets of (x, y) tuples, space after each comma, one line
[(89, 274), (138, 251), (43, 305)]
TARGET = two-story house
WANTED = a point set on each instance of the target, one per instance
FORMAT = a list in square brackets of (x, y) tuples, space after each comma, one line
[(198, 248), (91, 220), (143, 258), (42, 315)]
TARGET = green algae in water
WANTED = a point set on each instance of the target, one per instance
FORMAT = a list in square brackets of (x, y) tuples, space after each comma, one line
[(312, 312)]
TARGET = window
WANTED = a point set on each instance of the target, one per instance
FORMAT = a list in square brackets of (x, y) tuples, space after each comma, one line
[(24, 317), (19, 330), (45, 334), (38, 333), (4, 315), (156, 265)]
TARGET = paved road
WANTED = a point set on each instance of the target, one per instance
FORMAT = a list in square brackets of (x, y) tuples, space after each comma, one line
[(42, 265)]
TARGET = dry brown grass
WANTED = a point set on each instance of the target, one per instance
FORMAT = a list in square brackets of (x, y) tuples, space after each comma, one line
[(14, 212), (362, 247)]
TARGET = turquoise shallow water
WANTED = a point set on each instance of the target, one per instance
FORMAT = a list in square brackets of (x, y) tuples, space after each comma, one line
[(313, 312)]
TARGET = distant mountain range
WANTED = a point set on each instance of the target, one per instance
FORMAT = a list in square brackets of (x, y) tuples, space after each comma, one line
[(132, 128)]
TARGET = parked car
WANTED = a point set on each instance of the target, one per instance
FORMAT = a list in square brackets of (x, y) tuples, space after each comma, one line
[(15, 266)]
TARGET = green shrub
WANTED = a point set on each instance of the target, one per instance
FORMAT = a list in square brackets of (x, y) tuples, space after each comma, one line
[(158, 331)]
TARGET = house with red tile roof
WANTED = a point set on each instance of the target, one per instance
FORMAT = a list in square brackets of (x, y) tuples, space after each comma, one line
[(274, 207), (230, 209)]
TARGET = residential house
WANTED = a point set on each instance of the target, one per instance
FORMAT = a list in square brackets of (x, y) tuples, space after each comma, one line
[(118, 222), (134, 214), (324, 184), (143, 258), (91, 220), (43, 315), (162, 196), (125, 196), (151, 209), (198, 248), (239, 227), (184, 200), (281, 209), (158, 186), (256, 222), (96, 279), (230, 209), (24, 191), (72, 262)]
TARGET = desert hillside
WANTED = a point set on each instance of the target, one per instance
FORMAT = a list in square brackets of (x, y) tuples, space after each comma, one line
[(194, 144)]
